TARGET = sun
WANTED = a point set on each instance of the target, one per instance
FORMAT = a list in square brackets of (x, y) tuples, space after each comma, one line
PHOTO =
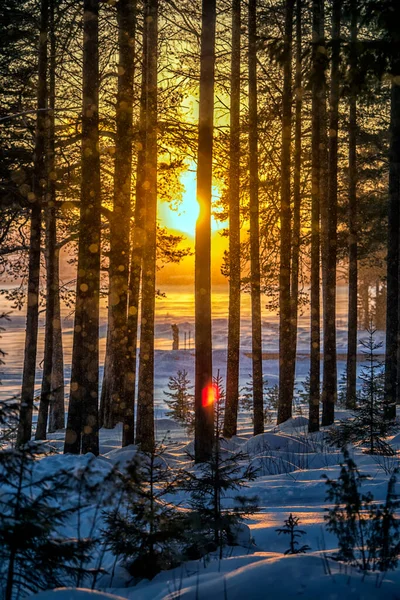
[(184, 219)]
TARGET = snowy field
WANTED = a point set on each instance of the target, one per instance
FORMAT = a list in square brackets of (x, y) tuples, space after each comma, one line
[(290, 465)]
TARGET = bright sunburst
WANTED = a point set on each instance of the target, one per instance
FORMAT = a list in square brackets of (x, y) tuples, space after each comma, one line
[(184, 219)]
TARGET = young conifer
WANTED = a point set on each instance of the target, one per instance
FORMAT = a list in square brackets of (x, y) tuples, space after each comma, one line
[(180, 400)]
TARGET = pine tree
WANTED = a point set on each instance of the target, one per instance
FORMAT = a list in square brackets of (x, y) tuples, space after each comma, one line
[(82, 426), (204, 427), (146, 530), (368, 534), (270, 398), (369, 426), (33, 554), (285, 338), (145, 405), (255, 273), (37, 200), (181, 400), (290, 528), (233, 351), (222, 474)]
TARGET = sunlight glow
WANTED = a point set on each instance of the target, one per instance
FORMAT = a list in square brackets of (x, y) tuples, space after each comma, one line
[(184, 219), (209, 395)]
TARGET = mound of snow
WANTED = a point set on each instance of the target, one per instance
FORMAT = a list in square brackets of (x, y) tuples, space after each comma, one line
[(122, 456), (265, 442), (294, 423), (279, 578), (74, 594)]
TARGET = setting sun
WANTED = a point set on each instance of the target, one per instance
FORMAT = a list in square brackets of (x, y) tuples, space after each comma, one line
[(184, 218)]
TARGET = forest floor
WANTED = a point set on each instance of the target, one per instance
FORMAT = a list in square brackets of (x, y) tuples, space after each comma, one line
[(291, 465)]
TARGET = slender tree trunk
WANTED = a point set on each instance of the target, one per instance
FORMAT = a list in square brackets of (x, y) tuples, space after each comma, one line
[(145, 410), (82, 426), (116, 364), (138, 239), (57, 404), (204, 409), (232, 373), (285, 326), (294, 296), (46, 396), (392, 306), (134, 291), (329, 386), (39, 191), (351, 382), (318, 56), (255, 278)]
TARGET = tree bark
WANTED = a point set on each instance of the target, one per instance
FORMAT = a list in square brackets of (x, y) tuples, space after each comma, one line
[(392, 306), (351, 368), (232, 373), (51, 257), (114, 392), (82, 426), (318, 56), (37, 197), (329, 385), (285, 327), (204, 409), (255, 277), (145, 408), (295, 267)]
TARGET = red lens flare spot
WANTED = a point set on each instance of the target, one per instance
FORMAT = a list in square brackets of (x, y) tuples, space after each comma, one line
[(209, 395)]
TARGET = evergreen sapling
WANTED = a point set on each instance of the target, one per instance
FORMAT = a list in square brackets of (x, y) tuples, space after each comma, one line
[(146, 530), (180, 400), (290, 528), (368, 426), (218, 510)]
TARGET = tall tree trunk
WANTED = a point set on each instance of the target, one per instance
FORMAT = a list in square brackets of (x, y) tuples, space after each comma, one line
[(285, 327), (255, 277), (38, 195), (46, 396), (232, 373), (351, 382), (145, 408), (57, 405), (116, 364), (82, 426), (294, 293), (392, 306), (204, 409), (138, 239), (318, 57), (329, 385)]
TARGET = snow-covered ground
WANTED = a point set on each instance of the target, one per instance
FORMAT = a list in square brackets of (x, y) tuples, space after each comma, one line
[(291, 463)]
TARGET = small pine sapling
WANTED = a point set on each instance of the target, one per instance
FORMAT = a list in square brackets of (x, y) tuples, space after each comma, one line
[(368, 427), (342, 388), (291, 528), (180, 400), (214, 525), (145, 530), (368, 534), (270, 395), (384, 539), (348, 519), (33, 554)]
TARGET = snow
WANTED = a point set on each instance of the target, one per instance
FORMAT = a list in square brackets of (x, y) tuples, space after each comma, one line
[(290, 462)]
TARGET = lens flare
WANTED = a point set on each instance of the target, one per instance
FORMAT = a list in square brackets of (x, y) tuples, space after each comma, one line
[(209, 395)]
